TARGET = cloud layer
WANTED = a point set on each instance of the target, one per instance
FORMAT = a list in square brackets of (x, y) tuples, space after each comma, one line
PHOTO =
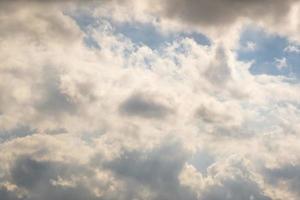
[(115, 119)]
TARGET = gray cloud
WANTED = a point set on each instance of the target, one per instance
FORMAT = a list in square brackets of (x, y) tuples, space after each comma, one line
[(16, 132), (288, 173), (158, 170), (37, 176), (155, 170), (219, 72), (54, 102), (5, 194), (224, 12), (143, 106), (209, 115), (66, 93), (235, 189)]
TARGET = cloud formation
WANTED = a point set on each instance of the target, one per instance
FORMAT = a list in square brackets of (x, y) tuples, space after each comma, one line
[(126, 121), (218, 12), (143, 106)]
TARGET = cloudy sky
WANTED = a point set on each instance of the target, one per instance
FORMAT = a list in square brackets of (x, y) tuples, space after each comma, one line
[(150, 100)]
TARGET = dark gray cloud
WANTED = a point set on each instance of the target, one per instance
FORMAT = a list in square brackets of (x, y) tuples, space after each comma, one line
[(54, 101), (224, 12), (143, 106), (158, 170), (235, 189), (288, 173), (30, 173), (35, 176), (6, 194)]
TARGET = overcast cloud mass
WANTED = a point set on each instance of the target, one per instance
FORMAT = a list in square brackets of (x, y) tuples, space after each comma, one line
[(150, 100)]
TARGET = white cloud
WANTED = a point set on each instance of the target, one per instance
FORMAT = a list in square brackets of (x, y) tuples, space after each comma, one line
[(251, 46), (281, 63), (105, 124), (292, 49)]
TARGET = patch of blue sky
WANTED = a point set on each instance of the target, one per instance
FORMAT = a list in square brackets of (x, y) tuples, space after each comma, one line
[(139, 33), (90, 42), (84, 19), (17, 132), (268, 53), (147, 34), (202, 160)]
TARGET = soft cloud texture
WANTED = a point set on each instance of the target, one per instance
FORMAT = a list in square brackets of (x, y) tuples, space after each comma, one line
[(115, 119)]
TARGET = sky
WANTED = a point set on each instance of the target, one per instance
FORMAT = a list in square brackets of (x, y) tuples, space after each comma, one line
[(149, 100)]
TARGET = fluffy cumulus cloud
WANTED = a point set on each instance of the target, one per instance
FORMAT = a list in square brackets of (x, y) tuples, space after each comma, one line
[(87, 111)]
